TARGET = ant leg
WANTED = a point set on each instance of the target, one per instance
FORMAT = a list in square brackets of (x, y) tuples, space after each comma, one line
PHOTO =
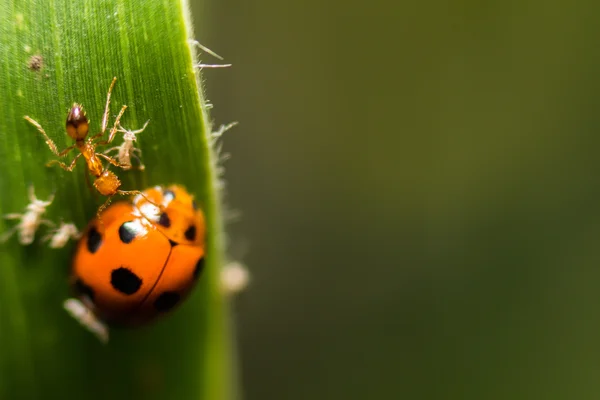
[(63, 166), (136, 192), (105, 116), (113, 161), (13, 216), (153, 213), (66, 151), (126, 167), (49, 141), (89, 184), (102, 208)]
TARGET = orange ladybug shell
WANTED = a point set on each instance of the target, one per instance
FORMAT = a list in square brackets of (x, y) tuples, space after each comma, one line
[(137, 264), (177, 202)]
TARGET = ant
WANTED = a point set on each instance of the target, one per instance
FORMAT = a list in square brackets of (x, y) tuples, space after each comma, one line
[(77, 126)]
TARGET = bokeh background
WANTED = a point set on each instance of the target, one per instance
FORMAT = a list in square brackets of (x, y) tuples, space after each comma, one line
[(419, 185)]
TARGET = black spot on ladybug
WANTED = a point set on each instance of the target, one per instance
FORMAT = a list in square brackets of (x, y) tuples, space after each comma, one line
[(173, 243), (84, 290), (94, 240), (166, 301), (126, 232), (164, 220), (169, 195), (125, 281), (190, 233), (199, 267)]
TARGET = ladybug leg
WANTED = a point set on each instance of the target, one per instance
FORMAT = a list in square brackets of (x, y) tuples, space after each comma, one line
[(86, 317)]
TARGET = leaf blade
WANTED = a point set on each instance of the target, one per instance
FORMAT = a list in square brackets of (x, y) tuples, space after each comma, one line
[(83, 45)]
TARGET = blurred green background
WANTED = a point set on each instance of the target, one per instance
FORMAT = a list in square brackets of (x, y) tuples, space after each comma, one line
[(419, 187)]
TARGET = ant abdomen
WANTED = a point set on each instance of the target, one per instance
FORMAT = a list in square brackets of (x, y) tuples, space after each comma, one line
[(78, 124)]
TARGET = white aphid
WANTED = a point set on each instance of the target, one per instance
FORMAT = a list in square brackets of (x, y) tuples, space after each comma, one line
[(60, 236), (212, 53), (30, 220), (127, 149), (86, 317), (234, 278)]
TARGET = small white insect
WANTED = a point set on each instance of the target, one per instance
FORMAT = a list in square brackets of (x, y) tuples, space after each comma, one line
[(199, 65), (30, 220), (82, 314), (234, 278), (60, 236), (127, 149)]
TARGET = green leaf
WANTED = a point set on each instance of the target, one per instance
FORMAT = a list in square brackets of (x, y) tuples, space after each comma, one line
[(57, 52)]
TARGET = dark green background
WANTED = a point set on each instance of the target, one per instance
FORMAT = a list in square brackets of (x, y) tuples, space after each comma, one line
[(419, 185)]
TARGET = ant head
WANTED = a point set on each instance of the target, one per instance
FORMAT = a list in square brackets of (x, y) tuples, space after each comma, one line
[(77, 123)]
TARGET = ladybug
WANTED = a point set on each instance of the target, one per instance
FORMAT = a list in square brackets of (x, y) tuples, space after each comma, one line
[(138, 262)]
